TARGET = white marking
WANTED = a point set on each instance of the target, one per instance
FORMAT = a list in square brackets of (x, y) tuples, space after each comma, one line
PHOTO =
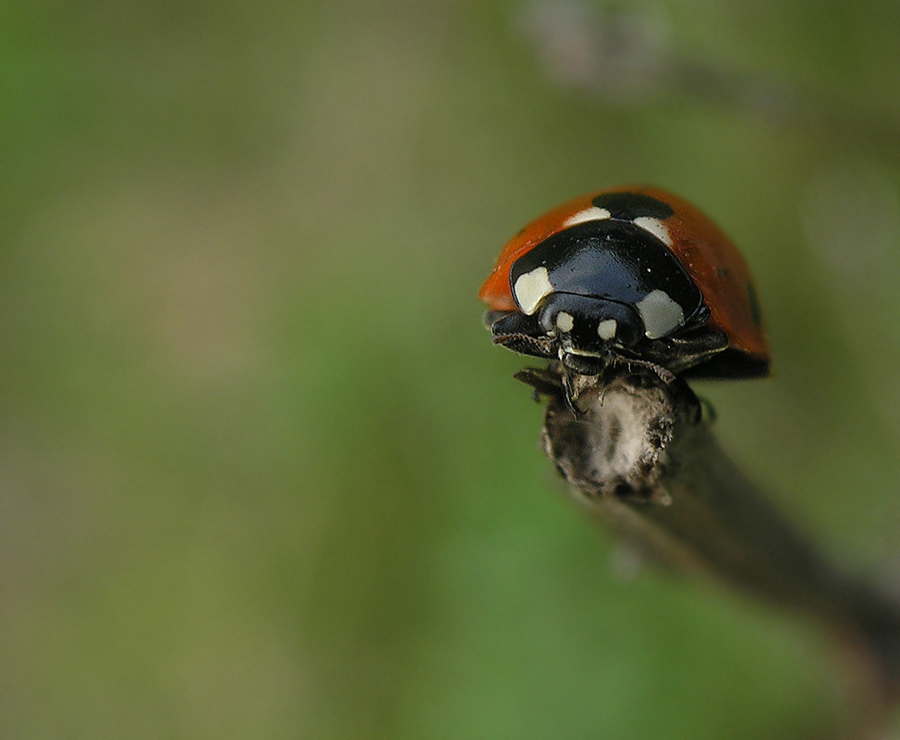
[(531, 288), (659, 313), (588, 214), (564, 321), (607, 329), (654, 226), (579, 352)]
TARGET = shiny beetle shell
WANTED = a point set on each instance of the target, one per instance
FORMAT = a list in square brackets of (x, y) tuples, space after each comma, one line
[(627, 218)]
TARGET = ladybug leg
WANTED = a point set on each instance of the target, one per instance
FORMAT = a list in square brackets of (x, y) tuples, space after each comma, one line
[(664, 374), (543, 381), (692, 349), (555, 382), (518, 332)]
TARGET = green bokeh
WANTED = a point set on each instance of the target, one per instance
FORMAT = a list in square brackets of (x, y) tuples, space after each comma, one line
[(263, 475)]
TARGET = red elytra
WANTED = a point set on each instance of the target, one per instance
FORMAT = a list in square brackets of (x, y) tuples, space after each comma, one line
[(708, 256)]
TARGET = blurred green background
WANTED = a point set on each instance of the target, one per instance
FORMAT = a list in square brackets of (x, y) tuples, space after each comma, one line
[(263, 474)]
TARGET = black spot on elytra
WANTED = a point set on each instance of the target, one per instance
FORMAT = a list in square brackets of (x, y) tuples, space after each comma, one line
[(754, 304), (629, 206)]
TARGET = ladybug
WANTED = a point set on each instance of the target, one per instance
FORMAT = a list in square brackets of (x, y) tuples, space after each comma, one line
[(631, 275)]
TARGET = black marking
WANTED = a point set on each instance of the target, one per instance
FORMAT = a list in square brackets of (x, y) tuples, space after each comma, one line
[(755, 310), (629, 206)]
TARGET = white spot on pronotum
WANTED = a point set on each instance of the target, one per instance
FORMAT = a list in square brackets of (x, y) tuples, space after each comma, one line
[(656, 227), (607, 328), (564, 321), (588, 214), (531, 288), (659, 313)]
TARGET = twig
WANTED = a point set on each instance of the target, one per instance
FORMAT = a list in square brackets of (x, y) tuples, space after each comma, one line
[(641, 456)]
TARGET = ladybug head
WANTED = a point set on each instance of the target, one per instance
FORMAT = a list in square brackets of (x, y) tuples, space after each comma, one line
[(585, 333)]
